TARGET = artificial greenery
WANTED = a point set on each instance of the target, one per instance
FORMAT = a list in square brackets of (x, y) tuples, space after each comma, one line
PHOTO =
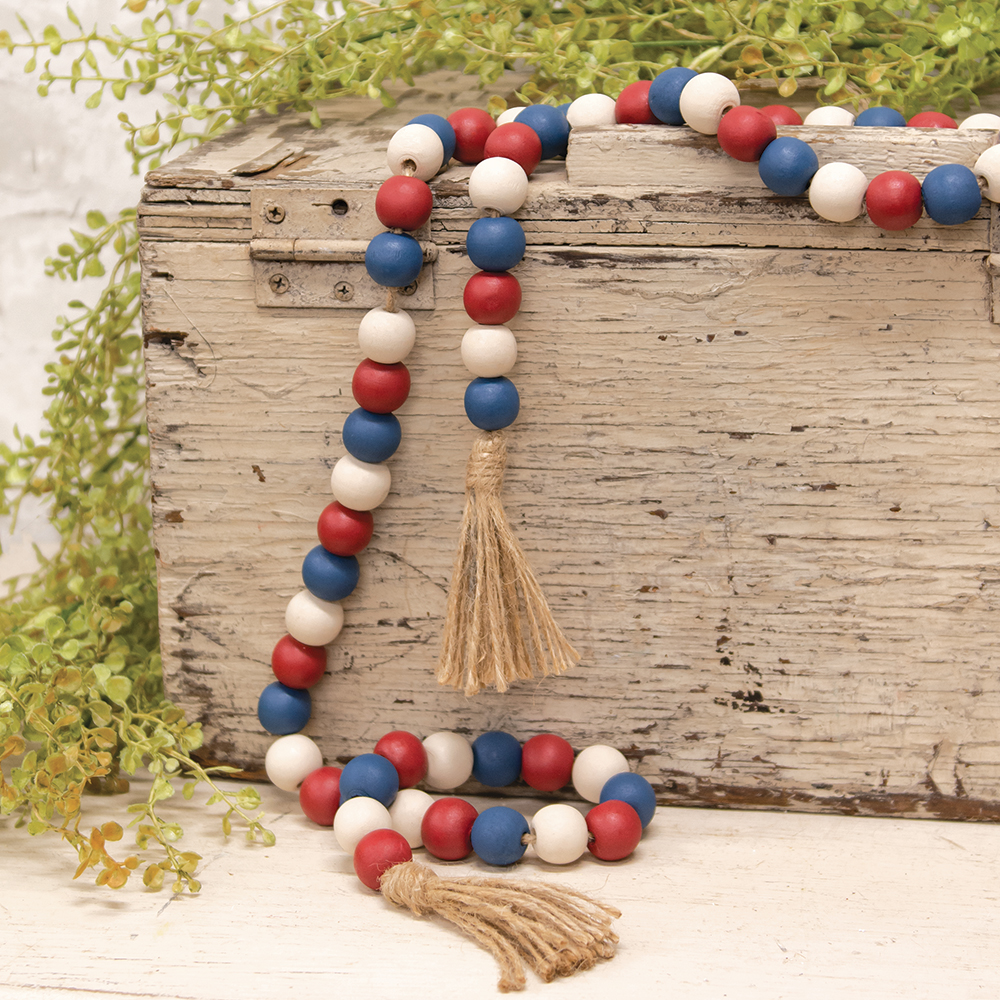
[(81, 695)]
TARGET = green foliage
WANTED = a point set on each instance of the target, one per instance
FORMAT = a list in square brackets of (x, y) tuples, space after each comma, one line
[(81, 697)]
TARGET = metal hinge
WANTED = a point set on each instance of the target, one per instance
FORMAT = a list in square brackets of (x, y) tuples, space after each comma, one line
[(308, 250)]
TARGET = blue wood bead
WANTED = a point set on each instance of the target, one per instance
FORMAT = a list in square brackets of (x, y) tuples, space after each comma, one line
[(370, 775), (394, 260), (951, 194), (496, 759), (371, 437), (329, 577), (633, 789), (492, 403), (495, 244), (564, 108), (884, 117), (283, 710), (444, 130), (787, 165), (665, 94), (551, 126), (497, 833)]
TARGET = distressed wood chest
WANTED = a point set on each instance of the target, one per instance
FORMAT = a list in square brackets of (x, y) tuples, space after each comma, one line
[(755, 466)]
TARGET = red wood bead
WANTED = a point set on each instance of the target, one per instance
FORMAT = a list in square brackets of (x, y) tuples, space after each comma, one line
[(343, 531), (377, 852), (616, 828), (403, 202), (546, 762), (894, 200), (446, 829), (472, 128), (407, 755), (492, 297), (319, 795), (380, 388), (744, 133), (518, 142), (932, 119), (297, 665), (782, 114), (632, 106)]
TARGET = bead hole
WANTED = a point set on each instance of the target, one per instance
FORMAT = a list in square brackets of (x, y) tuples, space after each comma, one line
[(339, 207)]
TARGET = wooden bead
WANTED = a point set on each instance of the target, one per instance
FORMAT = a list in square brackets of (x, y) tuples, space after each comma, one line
[(356, 817), (386, 337), (616, 828), (360, 485), (343, 531), (381, 388), (500, 184), (492, 297), (591, 109), (551, 125), (932, 119), (829, 116), (489, 351), (546, 762), (988, 167), (297, 664), (449, 760), (378, 851), (319, 795), (516, 142), (446, 829), (982, 119), (744, 133), (290, 759), (705, 99), (403, 202), (782, 114), (415, 149), (894, 200), (593, 767), (407, 814), (406, 754), (561, 834), (880, 117), (632, 106), (313, 621), (837, 192), (506, 117), (472, 128)]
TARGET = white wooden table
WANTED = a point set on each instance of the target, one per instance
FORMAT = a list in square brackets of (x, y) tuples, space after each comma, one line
[(715, 905)]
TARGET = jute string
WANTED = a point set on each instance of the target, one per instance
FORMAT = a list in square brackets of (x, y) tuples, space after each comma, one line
[(499, 627), (556, 931)]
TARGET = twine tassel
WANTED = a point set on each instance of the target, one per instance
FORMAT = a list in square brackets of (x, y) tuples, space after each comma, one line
[(499, 627), (555, 930)]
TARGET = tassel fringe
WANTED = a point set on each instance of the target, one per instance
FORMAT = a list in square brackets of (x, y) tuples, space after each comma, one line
[(555, 930), (499, 625)]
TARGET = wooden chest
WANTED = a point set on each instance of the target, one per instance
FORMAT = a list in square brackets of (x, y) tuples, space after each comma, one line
[(754, 468)]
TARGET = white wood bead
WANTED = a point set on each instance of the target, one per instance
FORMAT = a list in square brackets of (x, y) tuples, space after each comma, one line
[(509, 115), (591, 109), (489, 351), (289, 759), (561, 833), (988, 167), (982, 119), (498, 183), (407, 813), (449, 760), (386, 337), (312, 620), (418, 145), (705, 99), (355, 818), (593, 767), (829, 116), (360, 485), (837, 191)]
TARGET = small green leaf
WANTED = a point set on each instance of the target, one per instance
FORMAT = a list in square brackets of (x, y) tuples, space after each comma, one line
[(96, 220), (93, 101)]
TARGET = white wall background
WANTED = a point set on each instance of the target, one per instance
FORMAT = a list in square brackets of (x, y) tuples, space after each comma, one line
[(57, 161)]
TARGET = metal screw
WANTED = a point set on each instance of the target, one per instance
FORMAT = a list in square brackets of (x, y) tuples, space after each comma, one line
[(343, 291), (409, 289), (274, 213), (279, 284)]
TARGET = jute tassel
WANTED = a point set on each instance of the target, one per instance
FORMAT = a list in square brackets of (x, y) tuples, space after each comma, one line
[(555, 930), (499, 625)]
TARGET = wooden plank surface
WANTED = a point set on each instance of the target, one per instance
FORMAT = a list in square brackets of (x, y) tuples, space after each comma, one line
[(758, 484), (752, 906)]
